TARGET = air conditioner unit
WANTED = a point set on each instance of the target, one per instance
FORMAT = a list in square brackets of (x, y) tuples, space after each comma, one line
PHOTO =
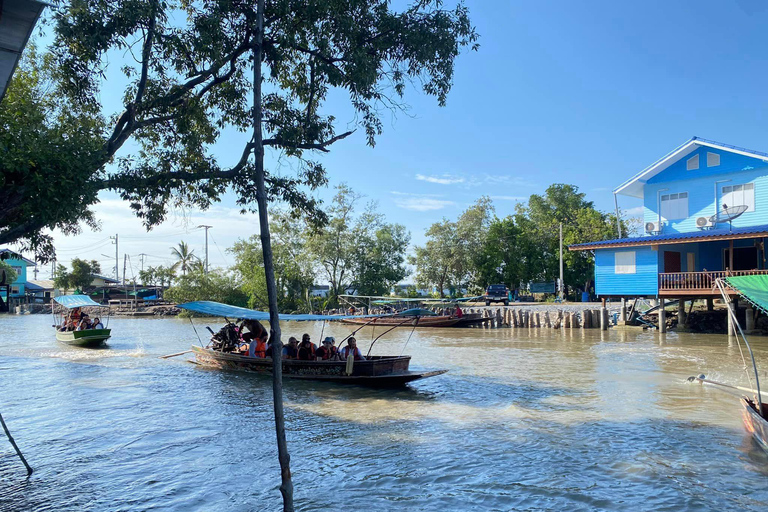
[(703, 222), (653, 227)]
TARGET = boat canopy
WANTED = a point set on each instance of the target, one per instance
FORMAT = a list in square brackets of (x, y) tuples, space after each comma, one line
[(208, 307), (754, 289), (75, 301), (415, 312)]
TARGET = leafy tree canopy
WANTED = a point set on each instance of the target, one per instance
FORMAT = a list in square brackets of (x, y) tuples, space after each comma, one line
[(216, 285), (188, 82), (79, 278), (10, 274)]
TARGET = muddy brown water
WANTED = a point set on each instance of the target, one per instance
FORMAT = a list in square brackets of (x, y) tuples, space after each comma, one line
[(524, 420)]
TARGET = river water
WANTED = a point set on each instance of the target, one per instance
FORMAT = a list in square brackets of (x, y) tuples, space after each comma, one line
[(524, 420)]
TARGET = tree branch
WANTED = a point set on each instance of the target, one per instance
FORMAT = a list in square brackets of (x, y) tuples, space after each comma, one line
[(320, 146)]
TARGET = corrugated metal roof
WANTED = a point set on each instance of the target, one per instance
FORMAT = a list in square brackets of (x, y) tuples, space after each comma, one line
[(694, 236), (17, 19)]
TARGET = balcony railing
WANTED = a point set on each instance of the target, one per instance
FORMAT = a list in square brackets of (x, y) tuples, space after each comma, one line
[(699, 282)]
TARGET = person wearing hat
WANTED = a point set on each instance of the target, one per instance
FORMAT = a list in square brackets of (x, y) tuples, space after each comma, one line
[(327, 351), (305, 337)]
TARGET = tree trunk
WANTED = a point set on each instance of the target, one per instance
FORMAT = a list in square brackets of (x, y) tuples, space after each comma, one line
[(286, 485)]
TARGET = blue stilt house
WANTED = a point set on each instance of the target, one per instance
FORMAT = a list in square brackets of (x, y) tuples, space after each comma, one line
[(686, 243)]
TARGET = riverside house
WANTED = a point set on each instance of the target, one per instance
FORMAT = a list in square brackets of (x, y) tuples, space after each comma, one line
[(16, 290), (685, 244)]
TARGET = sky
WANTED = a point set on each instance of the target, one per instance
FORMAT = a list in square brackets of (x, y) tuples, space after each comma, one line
[(585, 93)]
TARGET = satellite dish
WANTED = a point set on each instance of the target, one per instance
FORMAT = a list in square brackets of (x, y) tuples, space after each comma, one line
[(728, 214)]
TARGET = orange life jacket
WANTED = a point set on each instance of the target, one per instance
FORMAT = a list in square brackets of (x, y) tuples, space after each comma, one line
[(261, 348)]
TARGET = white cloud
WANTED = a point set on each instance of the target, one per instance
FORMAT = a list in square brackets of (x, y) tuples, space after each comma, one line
[(637, 211), (420, 202), (517, 199), (444, 179)]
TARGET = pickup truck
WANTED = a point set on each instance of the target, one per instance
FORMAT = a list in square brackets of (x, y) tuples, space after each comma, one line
[(496, 293)]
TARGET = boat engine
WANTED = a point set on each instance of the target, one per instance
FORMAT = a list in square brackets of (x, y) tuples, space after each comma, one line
[(227, 339)]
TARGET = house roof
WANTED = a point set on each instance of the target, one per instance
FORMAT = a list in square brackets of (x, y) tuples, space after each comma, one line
[(677, 238), (39, 285), (17, 19), (634, 186), (16, 255), (105, 278)]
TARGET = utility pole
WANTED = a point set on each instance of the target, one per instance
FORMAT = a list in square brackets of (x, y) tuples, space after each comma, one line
[(142, 256), (125, 261), (117, 258), (206, 244), (562, 283)]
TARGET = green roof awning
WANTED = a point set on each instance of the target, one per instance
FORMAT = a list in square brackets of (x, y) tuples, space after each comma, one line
[(754, 289)]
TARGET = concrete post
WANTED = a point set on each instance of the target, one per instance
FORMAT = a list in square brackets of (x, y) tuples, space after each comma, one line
[(604, 319), (586, 318), (567, 320), (623, 312), (750, 324), (663, 317), (710, 304), (682, 317)]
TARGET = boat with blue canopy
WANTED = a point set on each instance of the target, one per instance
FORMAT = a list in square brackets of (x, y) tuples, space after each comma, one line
[(68, 324), (224, 351)]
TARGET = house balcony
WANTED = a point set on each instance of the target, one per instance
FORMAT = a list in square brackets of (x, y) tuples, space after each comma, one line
[(684, 284)]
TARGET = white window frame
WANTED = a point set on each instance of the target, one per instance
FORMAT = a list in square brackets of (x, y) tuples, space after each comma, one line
[(713, 159), (738, 194), (674, 206), (15, 290), (692, 163), (625, 262)]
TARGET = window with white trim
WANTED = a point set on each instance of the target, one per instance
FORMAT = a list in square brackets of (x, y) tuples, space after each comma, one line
[(713, 159), (737, 195), (625, 263), (18, 271), (674, 206), (692, 163), (14, 290)]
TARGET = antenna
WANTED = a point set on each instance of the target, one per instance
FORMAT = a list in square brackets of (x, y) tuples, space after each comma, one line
[(206, 244), (728, 214)]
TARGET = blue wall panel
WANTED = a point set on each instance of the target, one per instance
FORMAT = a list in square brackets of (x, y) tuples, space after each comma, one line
[(644, 281), (700, 186)]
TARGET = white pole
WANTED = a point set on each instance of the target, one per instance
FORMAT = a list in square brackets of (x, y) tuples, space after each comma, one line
[(562, 284)]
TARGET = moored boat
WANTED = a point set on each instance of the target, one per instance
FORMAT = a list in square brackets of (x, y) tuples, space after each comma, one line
[(754, 289), (378, 371)]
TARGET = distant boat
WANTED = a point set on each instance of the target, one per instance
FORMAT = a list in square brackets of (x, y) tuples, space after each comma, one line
[(417, 318), (86, 337), (377, 371)]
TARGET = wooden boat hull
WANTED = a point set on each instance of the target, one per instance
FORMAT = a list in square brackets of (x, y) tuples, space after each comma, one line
[(86, 338), (755, 423), (382, 371), (425, 321), (470, 319)]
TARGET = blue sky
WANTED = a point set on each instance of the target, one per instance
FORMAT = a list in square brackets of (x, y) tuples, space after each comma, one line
[(587, 93)]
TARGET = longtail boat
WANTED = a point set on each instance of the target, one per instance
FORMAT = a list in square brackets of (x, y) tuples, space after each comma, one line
[(86, 337), (378, 371), (754, 289)]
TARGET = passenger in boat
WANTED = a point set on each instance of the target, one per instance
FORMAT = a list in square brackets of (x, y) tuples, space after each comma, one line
[(306, 352), (351, 349), (459, 312), (328, 351), (97, 323), (85, 323), (256, 337), (290, 351), (305, 337)]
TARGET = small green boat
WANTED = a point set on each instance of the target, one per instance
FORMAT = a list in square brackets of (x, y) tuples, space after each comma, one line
[(86, 338), (79, 338)]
